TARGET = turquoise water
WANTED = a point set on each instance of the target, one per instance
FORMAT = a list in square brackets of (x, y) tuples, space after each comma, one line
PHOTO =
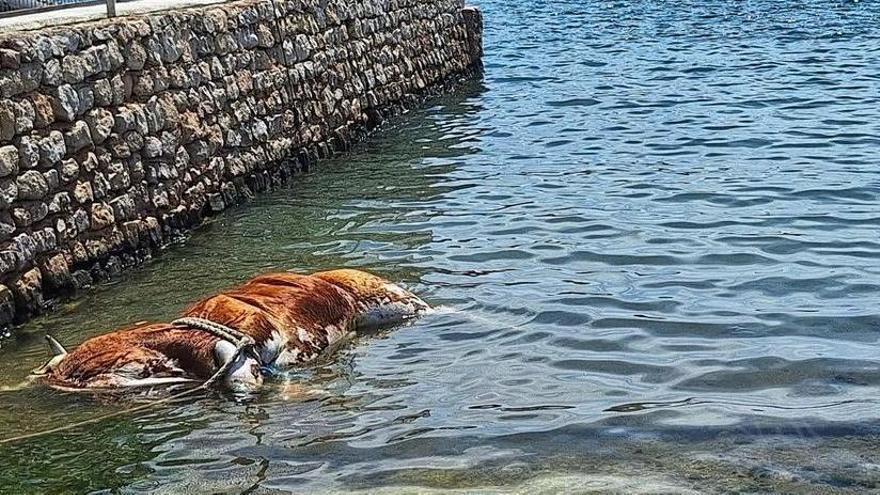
[(653, 231)]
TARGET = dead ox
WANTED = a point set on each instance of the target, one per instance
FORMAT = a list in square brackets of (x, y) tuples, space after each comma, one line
[(291, 318)]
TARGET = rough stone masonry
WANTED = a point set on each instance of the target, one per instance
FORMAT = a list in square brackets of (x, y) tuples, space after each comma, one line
[(116, 135)]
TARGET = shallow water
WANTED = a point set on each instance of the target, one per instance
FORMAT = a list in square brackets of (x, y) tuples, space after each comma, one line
[(653, 229)]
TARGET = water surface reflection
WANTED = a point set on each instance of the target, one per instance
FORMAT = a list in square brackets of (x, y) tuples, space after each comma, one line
[(654, 231)]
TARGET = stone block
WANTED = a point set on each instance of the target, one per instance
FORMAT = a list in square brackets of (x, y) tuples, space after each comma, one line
[(82, 192), (60, 203), (52, 74), (100, 185), (52, 149), (86, 99), (31, 76), (7, 121), (9, 59), (53, 179), (68, 170), (7, 226), (9, 160), (28, 292), (8, 193), (24, 117), (78, 137), (100, 123), (103, 92), (65, 103), (44, 113), (123, 207), (26, 213), (80, 220), (32, 185), (7, 306), (55, 272)]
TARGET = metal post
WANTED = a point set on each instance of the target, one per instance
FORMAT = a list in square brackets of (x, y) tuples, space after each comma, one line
[(111, 8)]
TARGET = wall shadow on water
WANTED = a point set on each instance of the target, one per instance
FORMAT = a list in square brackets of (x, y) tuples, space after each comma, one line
[(370, 208)]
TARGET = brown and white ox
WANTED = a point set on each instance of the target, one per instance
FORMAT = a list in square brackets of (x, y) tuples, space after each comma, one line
[(292, 318)]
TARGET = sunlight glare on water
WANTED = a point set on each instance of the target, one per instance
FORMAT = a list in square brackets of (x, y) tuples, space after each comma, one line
[(652, 226)]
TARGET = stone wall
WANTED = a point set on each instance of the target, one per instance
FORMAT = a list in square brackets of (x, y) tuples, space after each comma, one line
[(116, 135)]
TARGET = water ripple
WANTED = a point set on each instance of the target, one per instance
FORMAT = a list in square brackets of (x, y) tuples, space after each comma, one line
[(652, 232)]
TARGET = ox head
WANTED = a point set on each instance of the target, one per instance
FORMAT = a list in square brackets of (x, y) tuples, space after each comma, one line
[(244, 373), (58, 354)]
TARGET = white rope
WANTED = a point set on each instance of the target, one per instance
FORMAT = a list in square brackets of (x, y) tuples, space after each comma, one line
[(244, 343)]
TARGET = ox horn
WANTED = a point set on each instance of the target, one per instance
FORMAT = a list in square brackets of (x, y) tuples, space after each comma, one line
[(55, 346)]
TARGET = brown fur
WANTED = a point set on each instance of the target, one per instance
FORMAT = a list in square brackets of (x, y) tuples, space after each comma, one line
[(159, 349), (317, 307)]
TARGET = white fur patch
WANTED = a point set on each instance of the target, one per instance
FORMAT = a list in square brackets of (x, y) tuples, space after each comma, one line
[(397, 291), (272, 348), (334, 334), (303, 335), (386, 314), (287, 358)]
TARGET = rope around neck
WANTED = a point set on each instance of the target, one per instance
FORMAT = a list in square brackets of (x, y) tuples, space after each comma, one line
[(244, 345)]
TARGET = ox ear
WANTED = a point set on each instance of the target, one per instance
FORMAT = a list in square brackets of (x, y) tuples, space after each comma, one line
[(55, 346)]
